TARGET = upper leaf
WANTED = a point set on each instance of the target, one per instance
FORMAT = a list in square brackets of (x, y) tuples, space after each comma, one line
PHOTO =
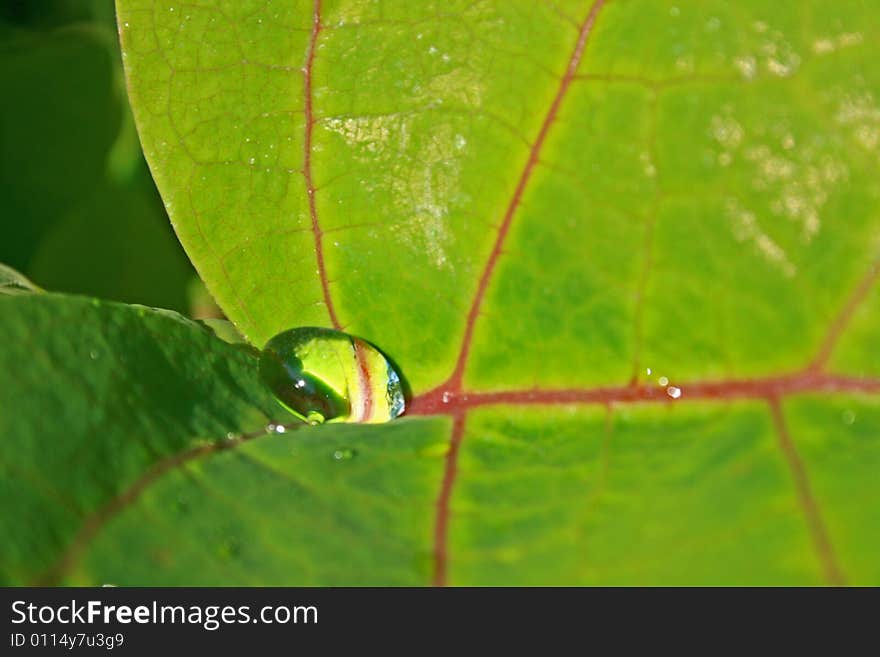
[(704, 163)]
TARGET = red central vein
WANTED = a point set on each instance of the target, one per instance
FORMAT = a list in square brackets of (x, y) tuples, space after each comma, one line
[(99, 518), (307, 163), (818, 532), (809, 381), (453, 385), (441, 523), (534, 156)]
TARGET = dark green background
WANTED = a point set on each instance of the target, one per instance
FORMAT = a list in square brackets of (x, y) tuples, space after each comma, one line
[(80, 212)]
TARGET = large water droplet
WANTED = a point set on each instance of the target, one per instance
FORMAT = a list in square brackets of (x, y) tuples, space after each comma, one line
[(324, 375)]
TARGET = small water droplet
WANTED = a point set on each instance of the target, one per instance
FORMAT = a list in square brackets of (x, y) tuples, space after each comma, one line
[(230, 436), (446, 397), (93, 354), (673, 392), (323, 375), (344, 454), (280, 428), (663, 381), (849, 416), (648, 371)]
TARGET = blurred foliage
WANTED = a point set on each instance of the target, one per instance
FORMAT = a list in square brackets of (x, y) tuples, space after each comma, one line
[(78, 209)]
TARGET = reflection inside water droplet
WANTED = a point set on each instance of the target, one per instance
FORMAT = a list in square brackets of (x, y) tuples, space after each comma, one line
[(673, 392), (323, 375)]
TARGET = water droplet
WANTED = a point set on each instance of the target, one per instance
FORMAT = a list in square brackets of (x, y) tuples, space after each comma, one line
[(230, 436), (323, 375), (93, 354), (849, 417), (344, 454), (447, 396), (648, 371), (663, 381), (673, 392)]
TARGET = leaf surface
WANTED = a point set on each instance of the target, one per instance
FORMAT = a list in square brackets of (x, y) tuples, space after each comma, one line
[(623, 251), (141, 453)]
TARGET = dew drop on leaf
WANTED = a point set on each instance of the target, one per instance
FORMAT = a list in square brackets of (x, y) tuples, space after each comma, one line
[(323, 375), (344, 454)]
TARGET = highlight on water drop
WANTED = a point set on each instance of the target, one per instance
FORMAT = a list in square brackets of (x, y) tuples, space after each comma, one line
[(324, 375)]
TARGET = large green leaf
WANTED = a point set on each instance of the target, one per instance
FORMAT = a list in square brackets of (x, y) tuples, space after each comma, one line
[(543, 212), (137, 451)]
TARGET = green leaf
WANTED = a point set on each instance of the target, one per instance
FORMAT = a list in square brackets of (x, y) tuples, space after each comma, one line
[(13, 282), (623, 251), (141, 453)]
